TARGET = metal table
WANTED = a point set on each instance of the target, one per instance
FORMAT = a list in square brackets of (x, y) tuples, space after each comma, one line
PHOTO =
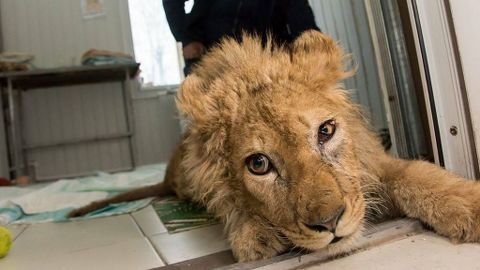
[(12, 83)]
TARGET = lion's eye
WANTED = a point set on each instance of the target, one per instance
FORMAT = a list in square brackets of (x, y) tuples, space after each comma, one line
[(326, 131), (258, 164)]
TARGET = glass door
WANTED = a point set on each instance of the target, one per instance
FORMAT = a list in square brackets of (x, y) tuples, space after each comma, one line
[(409, 76)]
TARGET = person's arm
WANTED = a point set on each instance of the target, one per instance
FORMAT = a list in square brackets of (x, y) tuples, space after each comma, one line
[(193, 48)]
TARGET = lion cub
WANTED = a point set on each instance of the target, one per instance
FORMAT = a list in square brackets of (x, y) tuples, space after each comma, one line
[(276, 149)]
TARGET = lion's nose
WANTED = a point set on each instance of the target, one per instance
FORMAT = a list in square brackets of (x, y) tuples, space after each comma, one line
[(329, 224)]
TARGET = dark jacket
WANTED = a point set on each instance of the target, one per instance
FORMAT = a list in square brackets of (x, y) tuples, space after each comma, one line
[(210, 20)]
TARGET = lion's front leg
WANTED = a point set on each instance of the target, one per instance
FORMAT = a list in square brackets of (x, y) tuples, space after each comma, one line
[(446, 202), (252, 241)]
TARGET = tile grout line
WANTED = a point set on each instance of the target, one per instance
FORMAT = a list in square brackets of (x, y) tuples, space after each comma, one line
[(149, 241), (24, 228), (157, 251)]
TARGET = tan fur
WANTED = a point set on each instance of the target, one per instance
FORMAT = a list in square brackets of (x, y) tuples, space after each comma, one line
[(247, 98)]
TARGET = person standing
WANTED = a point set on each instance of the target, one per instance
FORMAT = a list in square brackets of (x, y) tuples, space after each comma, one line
[(211, 20)]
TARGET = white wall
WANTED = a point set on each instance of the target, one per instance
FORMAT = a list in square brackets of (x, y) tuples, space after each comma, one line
[(57, 34), (157, 128), (466, 22)]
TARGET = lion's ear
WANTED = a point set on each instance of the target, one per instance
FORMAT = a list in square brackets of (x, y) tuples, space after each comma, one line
[(201, 109), (193, 101), (320, 56)]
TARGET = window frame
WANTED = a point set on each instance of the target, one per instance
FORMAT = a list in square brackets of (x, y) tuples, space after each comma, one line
[(147, 91)]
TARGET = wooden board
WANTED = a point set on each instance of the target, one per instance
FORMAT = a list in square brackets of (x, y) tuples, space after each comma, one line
[(376, 235)]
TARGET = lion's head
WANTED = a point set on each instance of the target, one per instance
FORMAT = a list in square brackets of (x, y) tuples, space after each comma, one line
[(271, 136)]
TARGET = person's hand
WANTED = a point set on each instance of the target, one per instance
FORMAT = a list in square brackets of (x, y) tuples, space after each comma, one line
[(193, 50)]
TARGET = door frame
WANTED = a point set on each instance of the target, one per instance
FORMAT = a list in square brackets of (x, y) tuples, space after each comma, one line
[(464, 21), (443, 87)]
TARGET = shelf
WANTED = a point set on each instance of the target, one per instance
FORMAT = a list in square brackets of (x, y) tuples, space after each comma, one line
[(54, 77), (12, 83)]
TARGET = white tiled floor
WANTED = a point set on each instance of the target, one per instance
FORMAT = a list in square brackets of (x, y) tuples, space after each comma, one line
[(16, 230), (423, 251), (121, 242), (191, 244), (140, 241), (149, 222)]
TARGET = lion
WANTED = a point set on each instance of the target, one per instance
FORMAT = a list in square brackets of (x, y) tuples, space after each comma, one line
[(275, 148)]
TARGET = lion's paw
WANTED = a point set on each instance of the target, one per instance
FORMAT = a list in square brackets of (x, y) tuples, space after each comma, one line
[(460, 222), (252, 242)]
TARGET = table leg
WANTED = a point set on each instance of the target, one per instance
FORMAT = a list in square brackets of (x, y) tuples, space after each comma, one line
[(21, 135), (4, 164), (127, 99), (13, 130)]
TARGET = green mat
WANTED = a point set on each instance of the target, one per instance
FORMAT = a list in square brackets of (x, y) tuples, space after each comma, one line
[(179, 216)]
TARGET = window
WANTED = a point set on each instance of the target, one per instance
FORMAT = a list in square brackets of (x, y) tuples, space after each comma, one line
[(154, 45)]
